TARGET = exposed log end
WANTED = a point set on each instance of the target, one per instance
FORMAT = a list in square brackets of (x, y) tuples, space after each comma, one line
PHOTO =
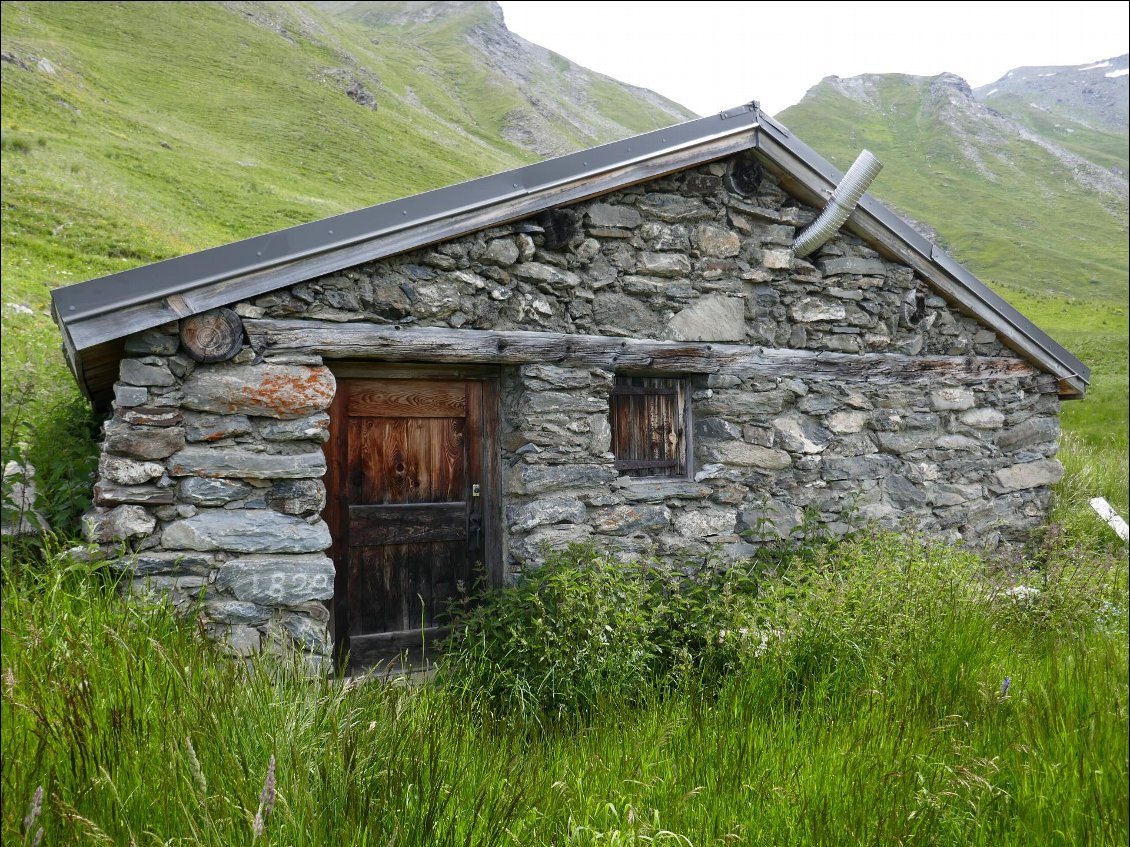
[(213, 336)]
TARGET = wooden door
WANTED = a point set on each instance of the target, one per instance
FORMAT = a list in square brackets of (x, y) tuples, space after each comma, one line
[(412, 504)]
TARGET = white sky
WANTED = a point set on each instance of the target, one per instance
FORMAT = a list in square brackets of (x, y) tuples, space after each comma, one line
[(710, 56)]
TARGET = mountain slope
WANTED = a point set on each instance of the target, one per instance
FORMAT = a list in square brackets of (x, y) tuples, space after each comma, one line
[(134, 132), (1022, 211), (1082, 108)]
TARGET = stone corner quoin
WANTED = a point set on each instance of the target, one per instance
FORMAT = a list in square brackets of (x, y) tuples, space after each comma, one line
[(212, 474)]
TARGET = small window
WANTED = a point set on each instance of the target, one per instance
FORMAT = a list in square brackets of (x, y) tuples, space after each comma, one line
[(649, 425)]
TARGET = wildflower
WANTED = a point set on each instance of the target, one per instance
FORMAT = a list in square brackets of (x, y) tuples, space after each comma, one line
[(266, 801), (9, 681), (1005, 686)]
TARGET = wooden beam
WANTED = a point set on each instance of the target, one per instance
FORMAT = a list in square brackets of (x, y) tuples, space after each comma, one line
[(378, 342)]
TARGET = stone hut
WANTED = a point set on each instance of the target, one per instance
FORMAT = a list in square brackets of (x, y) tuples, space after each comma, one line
[(323, 435)]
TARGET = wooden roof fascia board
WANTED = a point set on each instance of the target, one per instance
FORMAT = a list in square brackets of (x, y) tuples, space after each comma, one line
[(881, 227)]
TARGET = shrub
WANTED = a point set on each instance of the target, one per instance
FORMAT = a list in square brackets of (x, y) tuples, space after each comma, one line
[(585, 628)]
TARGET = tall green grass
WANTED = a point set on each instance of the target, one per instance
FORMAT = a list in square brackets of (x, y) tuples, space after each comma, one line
[(876, 715)]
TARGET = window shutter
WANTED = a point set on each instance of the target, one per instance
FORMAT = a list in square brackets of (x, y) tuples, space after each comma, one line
[(649, 419)]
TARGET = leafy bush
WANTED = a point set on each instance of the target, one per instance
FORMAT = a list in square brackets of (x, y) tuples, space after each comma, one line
[(585, 629)]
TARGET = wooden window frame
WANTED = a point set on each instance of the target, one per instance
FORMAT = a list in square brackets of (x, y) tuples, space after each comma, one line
[(630, 465)]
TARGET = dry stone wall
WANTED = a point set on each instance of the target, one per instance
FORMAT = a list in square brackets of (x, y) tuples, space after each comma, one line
[(212, 473)]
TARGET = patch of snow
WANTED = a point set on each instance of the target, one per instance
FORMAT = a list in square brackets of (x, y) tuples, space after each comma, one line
[(1068, 129), (1038, 106), (994, 91), (1051, 74), (1092, 67), (1120, 72)]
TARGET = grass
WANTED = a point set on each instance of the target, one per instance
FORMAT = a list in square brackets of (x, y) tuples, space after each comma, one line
[(876, 717)]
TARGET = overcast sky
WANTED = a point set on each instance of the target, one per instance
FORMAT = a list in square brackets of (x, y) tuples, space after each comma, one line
[(710, 56)]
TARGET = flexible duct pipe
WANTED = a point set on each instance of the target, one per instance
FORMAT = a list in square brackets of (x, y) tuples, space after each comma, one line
[(844, 199)]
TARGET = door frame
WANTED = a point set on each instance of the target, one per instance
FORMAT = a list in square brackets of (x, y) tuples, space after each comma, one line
[(336, 512)]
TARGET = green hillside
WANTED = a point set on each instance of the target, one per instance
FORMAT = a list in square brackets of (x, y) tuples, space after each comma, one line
[(1018, 214)]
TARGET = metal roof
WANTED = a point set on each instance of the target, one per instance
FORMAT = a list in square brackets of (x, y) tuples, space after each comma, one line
[(95, 315)]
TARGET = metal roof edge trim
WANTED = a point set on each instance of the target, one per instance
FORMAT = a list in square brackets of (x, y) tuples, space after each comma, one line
[(74, 303), (934, 254)]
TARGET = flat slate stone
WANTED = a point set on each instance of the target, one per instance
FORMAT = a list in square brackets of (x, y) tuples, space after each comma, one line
[(243, 464), (274, 391), (1027, 475), (127, 471), (711, 318), (145, 443), (202, 491), (278, 580), (246, 531), (136, 372)]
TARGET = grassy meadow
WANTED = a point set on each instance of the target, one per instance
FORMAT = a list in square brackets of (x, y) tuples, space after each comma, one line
[(845, 692)]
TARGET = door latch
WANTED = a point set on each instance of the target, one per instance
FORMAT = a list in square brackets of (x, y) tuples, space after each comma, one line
[(475, 490)]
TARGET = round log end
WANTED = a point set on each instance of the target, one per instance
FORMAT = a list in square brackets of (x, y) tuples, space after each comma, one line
[(213, 336)]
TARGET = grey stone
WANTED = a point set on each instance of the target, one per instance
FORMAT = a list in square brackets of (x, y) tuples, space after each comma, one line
[(201, 491), (237, 640), (846, 422), (952, 399), (659, 490), (750, 456), (711, 318), (664, 264), (853, 265), (906, 442), (606, 215), (130, 395), (246, 531), (628, 520), (550, 402), (236, 612), (1027, 475), (306, 632), (501, 251), (546, 274), (777, 259), (903, 493), (128, 471), (704, 523), (600, 431), (541, 479), (108, 494), (953, 494), (152, 562), (118, 524), (558, 377), (314, 427), (548, 510), (1031, 431), (215, 427), (982, 418), (801, 434), (152, 342), (229, 462), (714, 240), (268, 390), (297, 496), (673, 208), (619, 314), (809, 309), (874, 466), (136, 372), (531, 548), (145, 442), (775, 518), (958, 442)]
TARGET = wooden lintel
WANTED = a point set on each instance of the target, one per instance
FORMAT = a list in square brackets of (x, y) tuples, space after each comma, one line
[(377, 342)]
